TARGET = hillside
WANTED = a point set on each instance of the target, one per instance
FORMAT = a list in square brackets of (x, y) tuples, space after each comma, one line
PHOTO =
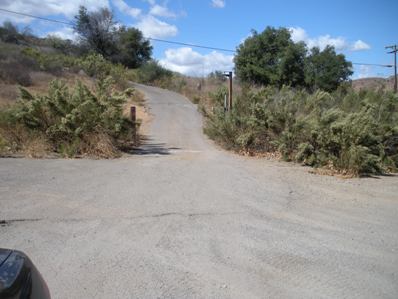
[(373, 83), (64, 105)]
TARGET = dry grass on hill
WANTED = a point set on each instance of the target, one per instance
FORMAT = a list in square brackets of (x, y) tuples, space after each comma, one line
[(36, 145), (9, 93), (373, 83)]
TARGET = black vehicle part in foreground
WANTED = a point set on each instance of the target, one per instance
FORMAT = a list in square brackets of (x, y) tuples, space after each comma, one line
[(19, 278)]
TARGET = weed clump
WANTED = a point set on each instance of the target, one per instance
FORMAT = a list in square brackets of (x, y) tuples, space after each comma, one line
[(71, 123), (349, 132)]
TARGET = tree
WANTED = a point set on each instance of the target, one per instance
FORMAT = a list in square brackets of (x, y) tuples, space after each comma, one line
[(65, 46), (291, 65), (217, 76), (270, 57), (152, 71), (99, 32), (9, 33), (97, 29), (325, 69), (133, 49)]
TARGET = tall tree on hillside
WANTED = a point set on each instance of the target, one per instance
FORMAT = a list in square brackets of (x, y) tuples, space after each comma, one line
[(292, 64), (270, 57), (99, 32), (133, 49), (65, 46), (97, 29), (217, 76), (9, 33), (326, 69)]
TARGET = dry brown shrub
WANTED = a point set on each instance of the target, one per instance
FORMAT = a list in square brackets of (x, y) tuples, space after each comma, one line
[(98, 145), (15, 136), (36, 147), (22, 142), (14, 72), (8, 94), (330, 170), (41, 78)]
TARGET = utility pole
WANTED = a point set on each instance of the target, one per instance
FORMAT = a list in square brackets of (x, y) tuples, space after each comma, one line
[(229, 75), (394, 51)]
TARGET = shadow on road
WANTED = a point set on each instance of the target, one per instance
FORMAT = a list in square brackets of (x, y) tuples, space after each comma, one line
[(148, 147)]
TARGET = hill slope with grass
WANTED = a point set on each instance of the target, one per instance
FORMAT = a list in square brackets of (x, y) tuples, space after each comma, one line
[(373, 83), (55, 101)]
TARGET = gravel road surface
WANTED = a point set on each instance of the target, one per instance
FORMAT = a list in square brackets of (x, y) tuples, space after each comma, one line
[(184, 219)]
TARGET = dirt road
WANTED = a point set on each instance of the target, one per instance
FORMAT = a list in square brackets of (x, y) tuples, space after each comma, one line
[(183, 219)]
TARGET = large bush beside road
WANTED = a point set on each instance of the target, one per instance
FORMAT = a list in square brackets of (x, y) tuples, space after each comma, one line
[(345, 131), (69, 122)]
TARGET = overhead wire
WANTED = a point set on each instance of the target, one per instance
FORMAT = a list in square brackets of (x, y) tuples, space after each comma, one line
[(162, 40)]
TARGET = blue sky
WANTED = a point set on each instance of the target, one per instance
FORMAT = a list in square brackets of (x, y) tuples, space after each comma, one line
[(358, 29)]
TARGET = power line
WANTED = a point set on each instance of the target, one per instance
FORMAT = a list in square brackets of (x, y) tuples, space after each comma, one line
[(37, 17), (191, 45), (162, 40), (373, 64), (150, 38)]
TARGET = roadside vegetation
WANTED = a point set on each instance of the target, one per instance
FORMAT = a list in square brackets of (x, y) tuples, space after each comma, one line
[(343, 131), (68, 98), (298, 104), (64, 98), (73, 123)]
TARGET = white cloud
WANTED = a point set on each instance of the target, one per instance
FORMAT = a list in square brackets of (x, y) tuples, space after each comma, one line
[(46, 7), (64, 33), (153, 27), (148, 23), (364, 72), (218, 3), (339, 43), (151, 2), (359, 46), (298, 34), (189, 62), (161, 11), (126, 9)]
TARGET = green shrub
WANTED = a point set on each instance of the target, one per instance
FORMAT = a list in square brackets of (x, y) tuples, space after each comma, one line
[(196, 99), (74, 122), (153, 73), (15, 66), (348, 131), (52, 63), (94, 65)]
